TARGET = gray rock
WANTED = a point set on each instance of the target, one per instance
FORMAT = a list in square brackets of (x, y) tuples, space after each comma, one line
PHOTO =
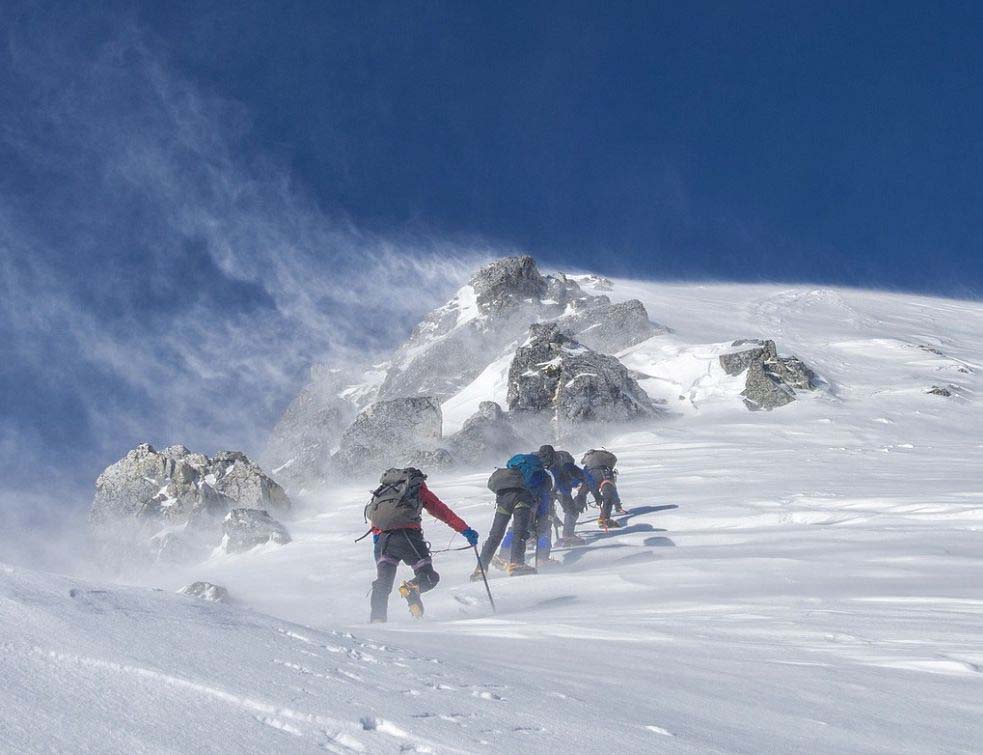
[(165, 487), (942, 390), (487, 435), (451, 346), (233, 475), (554, 374), (206, 591), (508, 281), (390, 432), (171, 503), (763, 390), (245, 529), (609, 328), (771, 380)]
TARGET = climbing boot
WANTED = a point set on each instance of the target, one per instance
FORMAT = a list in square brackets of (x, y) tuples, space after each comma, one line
[(411, 592), (518, 570)]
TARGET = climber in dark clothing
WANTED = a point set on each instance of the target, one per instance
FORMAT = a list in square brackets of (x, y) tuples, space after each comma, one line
[(521, 490), (397, 530), (600, 474), (566, 476)]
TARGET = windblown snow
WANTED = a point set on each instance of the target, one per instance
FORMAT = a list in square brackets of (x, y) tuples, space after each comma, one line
[(806, 579)]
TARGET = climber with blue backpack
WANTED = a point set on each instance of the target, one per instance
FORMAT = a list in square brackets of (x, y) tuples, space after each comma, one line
[(522, 496)]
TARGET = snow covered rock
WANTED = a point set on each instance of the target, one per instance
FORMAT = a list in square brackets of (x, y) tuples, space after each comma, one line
[(233, 475), (771, 380), (247, 528), (172, 501), (166, 487), (609, 328), (487, 435), (552, 373), (206, 591), (454, 343), (507, 282), (388, 432)]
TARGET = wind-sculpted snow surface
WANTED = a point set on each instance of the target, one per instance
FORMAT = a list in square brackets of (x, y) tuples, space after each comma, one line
[(801, 580)]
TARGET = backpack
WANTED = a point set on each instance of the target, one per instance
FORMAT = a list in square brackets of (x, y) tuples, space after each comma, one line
[(396, 503), (598, 459), (505, 479), (530, 466), (562, 458)]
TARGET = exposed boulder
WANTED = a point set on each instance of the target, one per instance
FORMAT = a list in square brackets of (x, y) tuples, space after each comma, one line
[(233, 475), (247, 528), (171, 503), (486, 435), (509, 281), (390, 432), (206, 591), (771, 380), (609, 328), (160, 487), (947, 391), (555, 374)]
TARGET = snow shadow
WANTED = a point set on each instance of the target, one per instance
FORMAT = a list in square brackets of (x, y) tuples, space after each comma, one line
[(659, 542), (642, 510)]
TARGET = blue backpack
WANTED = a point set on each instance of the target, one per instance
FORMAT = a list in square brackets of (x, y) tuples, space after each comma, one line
[(530, 466)]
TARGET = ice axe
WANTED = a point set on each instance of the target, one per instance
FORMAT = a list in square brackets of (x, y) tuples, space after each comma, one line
[(484, 577)]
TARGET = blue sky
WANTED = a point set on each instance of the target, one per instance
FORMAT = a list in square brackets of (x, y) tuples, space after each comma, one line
[(197, 198)]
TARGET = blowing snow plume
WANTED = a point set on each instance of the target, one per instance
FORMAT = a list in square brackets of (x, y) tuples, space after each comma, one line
[(179, 280)]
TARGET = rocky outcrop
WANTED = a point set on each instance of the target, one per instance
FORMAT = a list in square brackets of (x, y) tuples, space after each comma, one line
[(609, 328), (233, 475), (390, 432), (450, 347), (206, 591), (507, 282), (159, 487), (487, 435), (173, 501), (771, 380), (556, 375), (244, 529)]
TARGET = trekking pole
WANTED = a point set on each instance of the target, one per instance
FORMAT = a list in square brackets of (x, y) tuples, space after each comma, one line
[(484, 578)]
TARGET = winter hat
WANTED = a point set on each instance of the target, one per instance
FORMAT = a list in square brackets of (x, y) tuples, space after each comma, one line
[(547, 454)]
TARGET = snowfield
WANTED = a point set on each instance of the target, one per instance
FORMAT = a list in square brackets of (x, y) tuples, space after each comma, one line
[(803, 580)]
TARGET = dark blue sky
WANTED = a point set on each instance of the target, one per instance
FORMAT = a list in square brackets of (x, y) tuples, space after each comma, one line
[(833, 141), (195, 198)]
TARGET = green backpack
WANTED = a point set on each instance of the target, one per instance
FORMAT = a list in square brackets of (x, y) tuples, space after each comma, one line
[(396, 503)]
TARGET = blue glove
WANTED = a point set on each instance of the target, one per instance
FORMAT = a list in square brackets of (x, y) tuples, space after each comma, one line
[(471, 536)]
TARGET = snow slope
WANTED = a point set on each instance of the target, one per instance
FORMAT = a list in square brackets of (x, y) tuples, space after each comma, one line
[(801, 580)]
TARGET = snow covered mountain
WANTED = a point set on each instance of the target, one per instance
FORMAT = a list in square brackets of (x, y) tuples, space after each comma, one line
[(803, 579)]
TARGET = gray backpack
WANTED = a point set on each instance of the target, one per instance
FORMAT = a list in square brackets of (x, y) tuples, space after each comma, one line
[(561, 459), (598, 459), (396, 503), (506, 479)]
